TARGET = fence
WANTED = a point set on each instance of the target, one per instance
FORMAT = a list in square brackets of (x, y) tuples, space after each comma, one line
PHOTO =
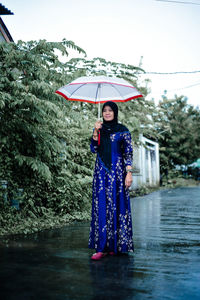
[(146, 164)]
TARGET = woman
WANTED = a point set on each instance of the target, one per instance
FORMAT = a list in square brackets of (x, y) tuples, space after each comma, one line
[(111, 224)]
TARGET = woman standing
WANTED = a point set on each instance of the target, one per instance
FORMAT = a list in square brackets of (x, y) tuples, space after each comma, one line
[(111, 224)]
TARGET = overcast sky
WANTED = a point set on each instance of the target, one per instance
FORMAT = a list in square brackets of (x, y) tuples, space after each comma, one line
[(166, 34)]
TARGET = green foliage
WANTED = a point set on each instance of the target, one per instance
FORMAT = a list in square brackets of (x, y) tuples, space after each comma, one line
[(19, 222), (178, 127), (37, 130), (99, 66), (45, 139), (141, 191)]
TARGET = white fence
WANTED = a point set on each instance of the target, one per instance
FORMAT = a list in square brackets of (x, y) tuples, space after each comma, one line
[(146, 164)]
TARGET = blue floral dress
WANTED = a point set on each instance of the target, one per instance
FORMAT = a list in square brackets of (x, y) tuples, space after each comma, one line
[(111, 224)]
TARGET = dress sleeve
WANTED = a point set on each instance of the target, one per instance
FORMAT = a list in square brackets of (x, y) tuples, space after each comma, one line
[(93, 145), (128, 149)]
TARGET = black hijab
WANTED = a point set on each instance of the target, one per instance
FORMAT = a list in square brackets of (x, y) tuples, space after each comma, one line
[(109, 127)]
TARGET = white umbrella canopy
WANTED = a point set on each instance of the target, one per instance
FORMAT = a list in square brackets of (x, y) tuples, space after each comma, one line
[(99, 89)]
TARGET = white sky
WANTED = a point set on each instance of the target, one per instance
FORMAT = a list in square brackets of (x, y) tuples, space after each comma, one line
[(165, 34)]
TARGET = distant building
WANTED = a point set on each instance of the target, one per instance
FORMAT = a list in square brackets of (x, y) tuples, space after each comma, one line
[(5, 35)]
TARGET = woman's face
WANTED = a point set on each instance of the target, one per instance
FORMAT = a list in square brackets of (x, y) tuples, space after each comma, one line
[(108, 113)]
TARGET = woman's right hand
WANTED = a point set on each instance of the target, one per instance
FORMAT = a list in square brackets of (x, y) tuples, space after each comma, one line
[(97, 126)]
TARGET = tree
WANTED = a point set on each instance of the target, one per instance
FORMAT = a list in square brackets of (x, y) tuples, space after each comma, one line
[(177, 124), (33, 122), (44, 138)]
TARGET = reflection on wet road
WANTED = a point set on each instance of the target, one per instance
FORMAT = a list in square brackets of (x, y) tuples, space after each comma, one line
[(56, 264), (167, 240)]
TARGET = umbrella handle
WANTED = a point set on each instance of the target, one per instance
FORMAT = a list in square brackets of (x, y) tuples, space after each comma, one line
[(99, 137)]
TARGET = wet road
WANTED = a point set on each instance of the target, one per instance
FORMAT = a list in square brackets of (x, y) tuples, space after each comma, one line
[(56, 264)]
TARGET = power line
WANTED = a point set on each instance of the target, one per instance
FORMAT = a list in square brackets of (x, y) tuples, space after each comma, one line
[(171, 73), (181, 2), (186, 87)]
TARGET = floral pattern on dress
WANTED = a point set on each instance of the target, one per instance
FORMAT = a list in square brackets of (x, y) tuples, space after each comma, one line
[(111, 224)]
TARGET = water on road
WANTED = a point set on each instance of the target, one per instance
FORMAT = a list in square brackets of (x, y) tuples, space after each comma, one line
[(55, 264)]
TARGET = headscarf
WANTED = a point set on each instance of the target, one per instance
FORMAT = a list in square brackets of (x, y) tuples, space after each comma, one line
[(109, 127)]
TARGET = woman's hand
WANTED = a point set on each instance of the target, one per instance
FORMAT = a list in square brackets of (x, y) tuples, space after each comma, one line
[(128, 180), (97, 126)]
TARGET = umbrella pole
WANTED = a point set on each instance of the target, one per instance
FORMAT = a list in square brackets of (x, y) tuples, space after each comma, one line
[(99, 111), (99, 96)]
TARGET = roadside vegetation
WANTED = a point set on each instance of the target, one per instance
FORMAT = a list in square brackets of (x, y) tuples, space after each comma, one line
[(45, 163)]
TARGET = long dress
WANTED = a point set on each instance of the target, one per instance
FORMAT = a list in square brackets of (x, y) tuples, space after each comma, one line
[(111, 224)]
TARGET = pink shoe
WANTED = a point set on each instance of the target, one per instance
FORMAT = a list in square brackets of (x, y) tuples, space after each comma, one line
[(98, 255), (112, 253)]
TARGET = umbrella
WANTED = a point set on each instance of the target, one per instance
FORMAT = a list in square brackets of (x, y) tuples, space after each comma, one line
[(99, 89)]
